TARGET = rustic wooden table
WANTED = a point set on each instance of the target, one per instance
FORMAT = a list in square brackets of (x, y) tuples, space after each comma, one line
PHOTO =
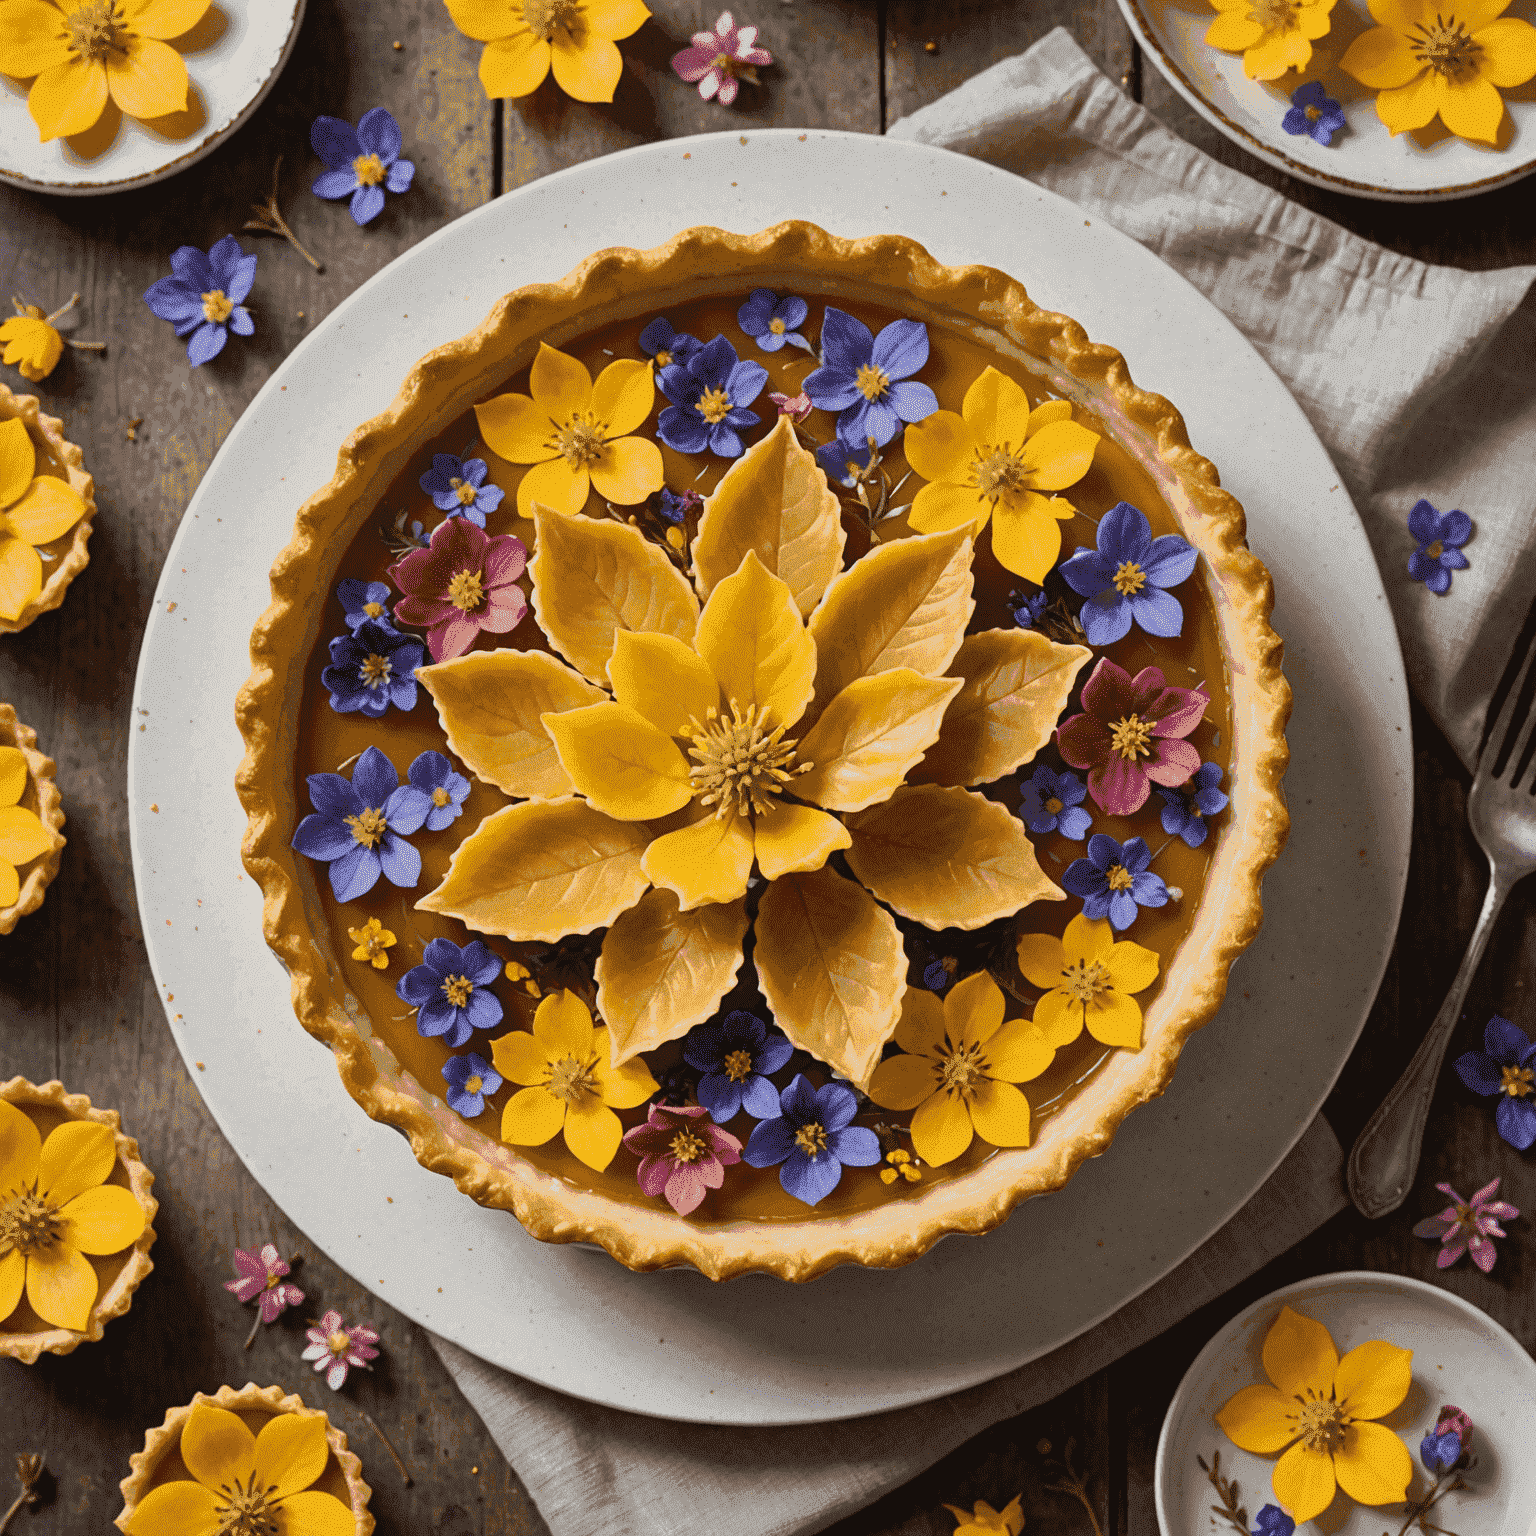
[(76, 997)]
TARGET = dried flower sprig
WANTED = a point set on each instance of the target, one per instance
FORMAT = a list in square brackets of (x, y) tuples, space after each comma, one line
[(1231, 1507), (266, 218), (404, 535), (29, 1471), (1074, 1485)]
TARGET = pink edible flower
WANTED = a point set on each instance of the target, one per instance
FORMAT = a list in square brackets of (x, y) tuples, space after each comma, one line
[(261, 1274), (682, 1153), (336, 1348), (1129, 736), (1468, 1226), (463, 582), (718, 59), (796, 407)]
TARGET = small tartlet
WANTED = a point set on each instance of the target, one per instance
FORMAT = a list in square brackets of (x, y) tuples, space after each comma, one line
[(47, 1105), (42, 798), (160, 1461)]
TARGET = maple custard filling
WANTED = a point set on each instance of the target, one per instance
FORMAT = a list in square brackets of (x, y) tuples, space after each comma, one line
[(745, 762)]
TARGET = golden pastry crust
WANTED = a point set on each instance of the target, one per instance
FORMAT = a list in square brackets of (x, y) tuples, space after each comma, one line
[(49, 809), (617, 284), (162, 1439), (117, 1296), (49, 431)]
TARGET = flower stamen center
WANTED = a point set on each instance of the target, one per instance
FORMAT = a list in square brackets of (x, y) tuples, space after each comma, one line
[(457, 989), (740, 763), (1519, 1082), (368, 827), (1131, 738), (571, 1080), (687, 1147), (1054, 806), (368, 169), (1086, 981), (738, 1066), (663, 358), (1321, 1425), (249, 1512), (1129, 578), (28, 1224), (872, 381), (1276, 15), (466, 591), (580, 441), (338, 1343), (546, 17), (94, 30), (961, 1070), (441, 797), (217, 306), (463, 490), (713, 405), (777, 326), (375, 670), (473, 1083), (1446, 47), (374, 610), (811, 1138), (1435, 550), (1118, 877), (998, 472)]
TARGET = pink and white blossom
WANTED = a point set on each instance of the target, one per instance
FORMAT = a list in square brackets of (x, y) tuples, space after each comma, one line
[(335, 1348), (718, 60)]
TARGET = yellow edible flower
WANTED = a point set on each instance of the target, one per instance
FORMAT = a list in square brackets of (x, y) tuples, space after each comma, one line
[(34, 510), (525, 39), (23, 837), (569, 1082), (1423, 59), (1008, 1521), (517, 971), (959, 1070), (78, 53), (55, 1208), (1090, 978), (33, 344), (245, 1482), (992, 461), (1321, 1407), (373, 942), (1272, 35), (575, 433)]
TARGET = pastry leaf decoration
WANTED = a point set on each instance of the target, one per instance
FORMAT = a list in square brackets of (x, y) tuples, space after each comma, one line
[(489, 703), (543, 869), (661, 971), (830, 963), (773, 501), (1016, 684), (592, 579), (904, 604), (947, 858)]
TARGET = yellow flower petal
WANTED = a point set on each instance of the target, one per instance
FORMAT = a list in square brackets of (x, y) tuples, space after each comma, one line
[(18, 458), (103, 1220), (316, 1513), (709, 861), (1000, 1113), (514, 66), (587, 70), (1086, 940), (562, 1024), (68, 98), (593, 1133), (21, 575), (1026, 536), (620, 761), (941, 446), (148, 78), (77, 1156), (796, 839), (1381, 59), (13, 1281), (1299, 1356), (1059, 1018), (944, 505), (10, 884), (1018, 1053), (559, 383), (46, 510), (941, 1129), (1304, 1483), (217, 1447), (1050, 410), (1372, 1379), (20, 1144), (1233, 31), (615, 18), (521, 1058), (177, 1508), (920, 1029), (32, 346), (620, 1087), (487, 20), (662, 679), (1114, 1019), (33, 37), (515, 429), (1373, 1466), (1042, 959), (61, 1286), (1059, 455), (1509, 51), (290, 1454), (1276, 53), (1314, 21), (1471, 108), (996, 410), (555, 484), (1259, 1419), (1132, 968), (13, 775), (755, 643), (973, 1011), (531, 1118), (628, 470), (903, 1082), (623, 395), (1410, 106), (164, 18)]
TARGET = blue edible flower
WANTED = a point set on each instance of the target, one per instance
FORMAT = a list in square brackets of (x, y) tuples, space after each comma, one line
[(867, 379), (709, 394), (736, 1056), (1440, 536), (1126, 576), (360, 827), (364, 600), (675, 506), (1114, 880), (362, 161), (447, 990), (936, 976), (457, 487), (470, 1078), (772, 321), (372, 668), (1273, 1521), (1185, 808), (1440, 1453), (1027, 609), (434, 776), (843, 462), (1313, 112), (1506, 1069), (205, 295), (659, 341), (1053, 802), (812, 1138)]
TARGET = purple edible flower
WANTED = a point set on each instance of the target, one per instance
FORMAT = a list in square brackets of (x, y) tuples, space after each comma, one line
[(1273, 1521), (1114, 880), (364, 600), (936, 976), (362, 161), (434, 776), (1185, 808), (675, 507), (470, 1078), (1027, 609), (1313, 112), (682, 1155), (736, 1057), (262, 1275), (1126, 577), (1468, 1226), (335, 1348), (457, 487), (812, 1138), (205, 295), (1505, 1068), (709, 394), (1053, 802), (844, 463), (359, 827), (372, 668), (772, 321), (1449, 1444), (659, 341), (448, 990), (1440, 536), (868, 379)]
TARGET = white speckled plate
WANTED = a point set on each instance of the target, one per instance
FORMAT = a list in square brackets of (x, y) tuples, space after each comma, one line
[(1364, 160), (1460, 1356), (234, 56)]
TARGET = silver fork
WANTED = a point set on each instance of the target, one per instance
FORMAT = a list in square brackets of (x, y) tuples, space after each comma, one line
[(1502, 813)]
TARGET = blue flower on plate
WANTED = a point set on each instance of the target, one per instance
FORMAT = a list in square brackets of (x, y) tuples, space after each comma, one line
[(457, 486), (470, 1078), (1114, 880), (710, 394), (364, 600), (205, 295), (772, 321), (812, 1138), (360, 161), (359, 827), (1313, 112), (1053, 802), (1505, 1069), (736, 1057), (434, 776), (1185, 808), (448, 990), (843, 462), (867, 379), (666, 346), (372, 668), (1273, 1521), (1127, 577), (1440, 536)]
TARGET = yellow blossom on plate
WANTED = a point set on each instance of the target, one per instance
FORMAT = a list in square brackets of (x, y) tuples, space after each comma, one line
[(576, 433), (569, 1083), (1322, 1408), (958, 1070), (373, 942), (23, 837), (993, 461), (1089, 977), (34, 509), (78, 53), (1423, 59), (243, 1482), (55, 1208), (525, 39), (1008, 1521), (1272, 35)]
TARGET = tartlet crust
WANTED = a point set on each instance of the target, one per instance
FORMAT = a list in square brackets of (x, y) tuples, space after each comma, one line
[(117, 1296), (621, 283), (50, 811), (74, 559), (163, 1438)]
